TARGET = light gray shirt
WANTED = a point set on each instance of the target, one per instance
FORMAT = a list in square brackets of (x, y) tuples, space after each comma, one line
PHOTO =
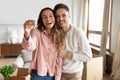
[(77, 44)]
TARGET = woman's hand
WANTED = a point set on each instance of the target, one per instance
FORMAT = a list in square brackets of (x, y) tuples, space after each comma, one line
[(28, 25)]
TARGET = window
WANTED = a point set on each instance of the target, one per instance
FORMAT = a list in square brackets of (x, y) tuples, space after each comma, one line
[(96, 8)]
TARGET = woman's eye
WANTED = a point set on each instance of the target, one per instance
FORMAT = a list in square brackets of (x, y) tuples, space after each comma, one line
[(44, 17), (51, 15)]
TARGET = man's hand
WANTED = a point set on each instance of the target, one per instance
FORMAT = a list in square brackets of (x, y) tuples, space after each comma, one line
[(62, 53), (65, 54)]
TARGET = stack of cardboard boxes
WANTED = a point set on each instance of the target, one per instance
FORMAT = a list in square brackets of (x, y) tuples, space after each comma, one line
[(93, 70), (20, 74)]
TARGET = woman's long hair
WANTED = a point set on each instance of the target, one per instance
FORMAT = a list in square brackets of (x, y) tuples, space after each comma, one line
[(57, 33)]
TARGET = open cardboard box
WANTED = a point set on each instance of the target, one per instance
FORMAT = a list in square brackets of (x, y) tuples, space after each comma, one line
[(93, 70), (20, 74)]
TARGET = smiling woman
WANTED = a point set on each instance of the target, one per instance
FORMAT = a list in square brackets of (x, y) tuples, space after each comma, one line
[(44, 42)]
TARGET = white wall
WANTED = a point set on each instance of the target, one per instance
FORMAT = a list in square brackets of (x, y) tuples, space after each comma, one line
[(13, 13), (17, 11)]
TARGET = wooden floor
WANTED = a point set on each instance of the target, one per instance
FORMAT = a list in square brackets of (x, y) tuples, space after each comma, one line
[(9, 61)]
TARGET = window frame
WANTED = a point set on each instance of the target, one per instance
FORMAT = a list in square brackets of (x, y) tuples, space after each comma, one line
[(95, 47)]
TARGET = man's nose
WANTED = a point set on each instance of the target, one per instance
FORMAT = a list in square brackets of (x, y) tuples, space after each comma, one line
[(61, 17)]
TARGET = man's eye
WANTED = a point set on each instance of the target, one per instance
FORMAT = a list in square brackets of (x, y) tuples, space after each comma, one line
[(63, 15)]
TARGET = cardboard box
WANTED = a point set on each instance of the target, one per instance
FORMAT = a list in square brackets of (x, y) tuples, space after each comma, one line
[(20, 74), (93, 70)]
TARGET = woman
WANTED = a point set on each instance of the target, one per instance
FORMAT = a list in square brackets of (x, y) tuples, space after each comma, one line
[(45, 41)]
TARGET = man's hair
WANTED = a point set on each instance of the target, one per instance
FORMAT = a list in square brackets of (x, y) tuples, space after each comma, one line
[(60, 5)]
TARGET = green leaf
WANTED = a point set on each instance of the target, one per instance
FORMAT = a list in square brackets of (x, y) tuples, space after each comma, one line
[(7, 71)]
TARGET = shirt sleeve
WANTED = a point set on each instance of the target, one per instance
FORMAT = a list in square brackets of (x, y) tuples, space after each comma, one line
[(30, 44), (84, 53)]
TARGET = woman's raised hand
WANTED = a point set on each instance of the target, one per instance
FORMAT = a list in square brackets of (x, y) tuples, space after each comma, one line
[(28, 25)]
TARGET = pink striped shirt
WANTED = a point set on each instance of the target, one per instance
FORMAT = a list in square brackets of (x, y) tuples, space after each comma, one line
[(44, 58)]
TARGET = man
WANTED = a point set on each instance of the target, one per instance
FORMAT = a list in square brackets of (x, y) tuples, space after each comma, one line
[(77, 49)]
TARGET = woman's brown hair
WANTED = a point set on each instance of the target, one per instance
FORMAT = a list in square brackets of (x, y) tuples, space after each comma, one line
[(57, 33)]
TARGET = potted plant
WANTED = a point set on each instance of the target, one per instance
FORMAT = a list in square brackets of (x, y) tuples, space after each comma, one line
[(7, 71)]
